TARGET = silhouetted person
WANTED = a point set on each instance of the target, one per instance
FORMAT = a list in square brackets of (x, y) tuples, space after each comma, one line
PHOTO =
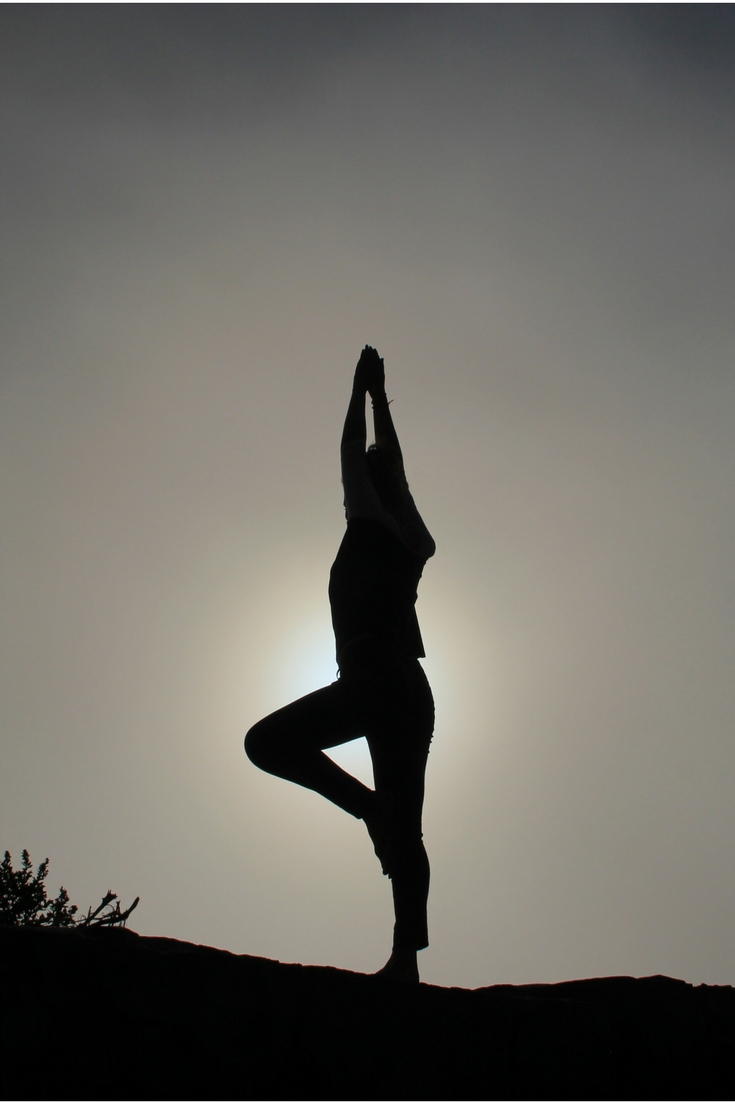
[(382, 691)]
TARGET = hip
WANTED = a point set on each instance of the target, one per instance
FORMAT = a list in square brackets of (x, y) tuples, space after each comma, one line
[(387, 685)]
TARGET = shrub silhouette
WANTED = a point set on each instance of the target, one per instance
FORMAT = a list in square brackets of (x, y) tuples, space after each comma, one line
[(24, 902)]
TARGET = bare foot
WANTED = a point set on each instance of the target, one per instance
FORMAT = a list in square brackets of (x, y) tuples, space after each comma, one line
[(402, 967)]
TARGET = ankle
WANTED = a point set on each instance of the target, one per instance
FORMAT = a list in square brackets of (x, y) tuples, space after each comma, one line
[(402, 966)]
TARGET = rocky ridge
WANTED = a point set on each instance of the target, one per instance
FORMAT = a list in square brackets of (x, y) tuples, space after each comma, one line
[(108, 1014)]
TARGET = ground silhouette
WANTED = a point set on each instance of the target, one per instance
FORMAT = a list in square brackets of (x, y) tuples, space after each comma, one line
[(105, 1013)]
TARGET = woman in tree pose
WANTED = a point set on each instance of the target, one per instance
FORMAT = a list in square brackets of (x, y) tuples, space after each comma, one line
[(382, 691)]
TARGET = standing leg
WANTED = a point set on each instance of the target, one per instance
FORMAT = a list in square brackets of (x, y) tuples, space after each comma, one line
[(399, 786), (399, 751)]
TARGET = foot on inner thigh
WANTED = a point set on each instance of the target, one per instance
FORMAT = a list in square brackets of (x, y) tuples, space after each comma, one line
[(401, 967)]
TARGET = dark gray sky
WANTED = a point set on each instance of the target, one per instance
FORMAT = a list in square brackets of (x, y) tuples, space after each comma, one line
[(207, 211)]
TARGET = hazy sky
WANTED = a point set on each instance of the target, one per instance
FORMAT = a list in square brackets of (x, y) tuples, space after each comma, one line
[(207, 212)]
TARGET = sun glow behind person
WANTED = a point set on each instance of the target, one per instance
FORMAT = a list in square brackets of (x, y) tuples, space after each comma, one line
[(307, 663)]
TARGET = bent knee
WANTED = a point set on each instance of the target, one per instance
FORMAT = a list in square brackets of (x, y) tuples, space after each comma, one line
[(257, 745), (268, 745)]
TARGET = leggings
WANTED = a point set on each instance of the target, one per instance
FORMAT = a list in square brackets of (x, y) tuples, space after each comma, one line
[(385, 697)]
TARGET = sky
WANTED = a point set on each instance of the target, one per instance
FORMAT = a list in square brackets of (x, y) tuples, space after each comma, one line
[(206, 213)]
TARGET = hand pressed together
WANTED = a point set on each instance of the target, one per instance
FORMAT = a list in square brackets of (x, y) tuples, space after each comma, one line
[(370, 372)]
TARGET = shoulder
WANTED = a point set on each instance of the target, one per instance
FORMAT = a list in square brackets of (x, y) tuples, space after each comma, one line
[(411, 528), (387, 532)]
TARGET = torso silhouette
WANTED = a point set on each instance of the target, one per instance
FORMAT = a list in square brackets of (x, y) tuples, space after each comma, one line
[(372, 590)]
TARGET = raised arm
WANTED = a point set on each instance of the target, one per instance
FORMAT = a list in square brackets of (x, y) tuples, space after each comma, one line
[(386, 436), (355, 429), (360, 496), (401, 505)]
